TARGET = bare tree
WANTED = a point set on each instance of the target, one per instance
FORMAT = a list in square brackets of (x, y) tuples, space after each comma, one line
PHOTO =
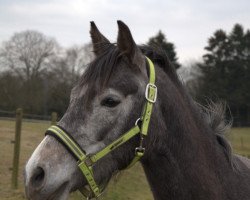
[(27, 52), (69, 65), (37, 74), (190, 75), (78, 57), (26, 56)]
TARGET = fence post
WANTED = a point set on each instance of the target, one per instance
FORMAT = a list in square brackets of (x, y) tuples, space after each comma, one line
[(241, 142), (19, 115), (53, 118)]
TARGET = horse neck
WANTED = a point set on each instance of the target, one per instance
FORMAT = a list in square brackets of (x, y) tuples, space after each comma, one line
[(183, 159)]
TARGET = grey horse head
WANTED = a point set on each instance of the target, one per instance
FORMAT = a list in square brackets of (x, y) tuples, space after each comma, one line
[(186, 155), (103, 105)]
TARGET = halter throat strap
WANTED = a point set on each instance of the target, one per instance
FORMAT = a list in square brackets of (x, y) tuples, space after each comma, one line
[(86, 162)]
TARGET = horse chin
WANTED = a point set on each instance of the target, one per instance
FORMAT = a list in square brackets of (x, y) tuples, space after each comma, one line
[(61, 193)]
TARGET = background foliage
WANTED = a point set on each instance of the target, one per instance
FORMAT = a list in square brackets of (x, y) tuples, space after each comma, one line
[(37, 74), (224, 73)]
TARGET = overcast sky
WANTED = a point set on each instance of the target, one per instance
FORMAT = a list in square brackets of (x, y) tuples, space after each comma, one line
[(186, 23)]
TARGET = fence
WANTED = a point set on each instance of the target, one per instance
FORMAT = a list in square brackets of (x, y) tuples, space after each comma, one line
[(19, 117), (10, 115)]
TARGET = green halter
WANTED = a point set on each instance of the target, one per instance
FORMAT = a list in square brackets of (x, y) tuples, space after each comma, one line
[(85, 162)]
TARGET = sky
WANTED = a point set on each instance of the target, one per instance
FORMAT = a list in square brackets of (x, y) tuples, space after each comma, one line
[(186, 23)]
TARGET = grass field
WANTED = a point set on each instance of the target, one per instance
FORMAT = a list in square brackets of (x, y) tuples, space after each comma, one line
[(131, 184)]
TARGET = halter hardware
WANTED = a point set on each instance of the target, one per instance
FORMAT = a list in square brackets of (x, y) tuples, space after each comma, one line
[(85, 162), (151, 97)]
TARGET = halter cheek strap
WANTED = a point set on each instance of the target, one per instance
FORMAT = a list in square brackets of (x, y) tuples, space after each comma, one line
[(86, 162)]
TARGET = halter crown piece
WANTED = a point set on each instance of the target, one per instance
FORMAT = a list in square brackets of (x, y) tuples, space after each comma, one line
[(85, 162)]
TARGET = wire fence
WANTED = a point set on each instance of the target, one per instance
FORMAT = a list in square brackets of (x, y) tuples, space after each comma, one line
[(10, 115)]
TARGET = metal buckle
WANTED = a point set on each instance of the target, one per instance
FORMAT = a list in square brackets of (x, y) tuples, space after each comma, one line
[(93, 197), (140, 150), (153, 86), (88, 161)]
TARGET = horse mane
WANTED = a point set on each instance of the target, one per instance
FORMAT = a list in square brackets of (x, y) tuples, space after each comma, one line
[(214, 115), (99, 71), (159, 56), (102, 67)]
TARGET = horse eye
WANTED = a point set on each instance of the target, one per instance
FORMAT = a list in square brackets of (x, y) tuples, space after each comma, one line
[(110, 102)]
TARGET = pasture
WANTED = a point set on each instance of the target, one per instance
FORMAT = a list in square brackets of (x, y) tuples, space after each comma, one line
[(130, 184)]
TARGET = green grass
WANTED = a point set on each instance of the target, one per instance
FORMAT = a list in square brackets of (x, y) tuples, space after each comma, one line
[(131, 184), (240, 140)]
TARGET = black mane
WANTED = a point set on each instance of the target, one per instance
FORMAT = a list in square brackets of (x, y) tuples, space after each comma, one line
[(103, 66), (159, 56)]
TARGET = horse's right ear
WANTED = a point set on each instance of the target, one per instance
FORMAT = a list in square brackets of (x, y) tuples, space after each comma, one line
[(98, 40), (128, 47)]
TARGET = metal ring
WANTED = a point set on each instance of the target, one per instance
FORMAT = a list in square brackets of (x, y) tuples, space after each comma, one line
[(136, 122)]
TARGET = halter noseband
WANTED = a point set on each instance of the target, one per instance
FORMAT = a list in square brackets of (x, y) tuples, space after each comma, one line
[(85, 162)]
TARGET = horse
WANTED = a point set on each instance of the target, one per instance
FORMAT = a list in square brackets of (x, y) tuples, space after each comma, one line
[(183, 152)]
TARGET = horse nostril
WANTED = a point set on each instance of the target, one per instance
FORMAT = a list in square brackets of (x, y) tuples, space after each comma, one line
[(37, 178)]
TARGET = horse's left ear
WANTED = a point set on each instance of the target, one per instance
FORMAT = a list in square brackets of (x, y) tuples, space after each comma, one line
[(128, 47)]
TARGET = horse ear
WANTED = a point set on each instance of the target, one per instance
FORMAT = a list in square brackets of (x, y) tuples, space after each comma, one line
[(127, 45), (98, 40)]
